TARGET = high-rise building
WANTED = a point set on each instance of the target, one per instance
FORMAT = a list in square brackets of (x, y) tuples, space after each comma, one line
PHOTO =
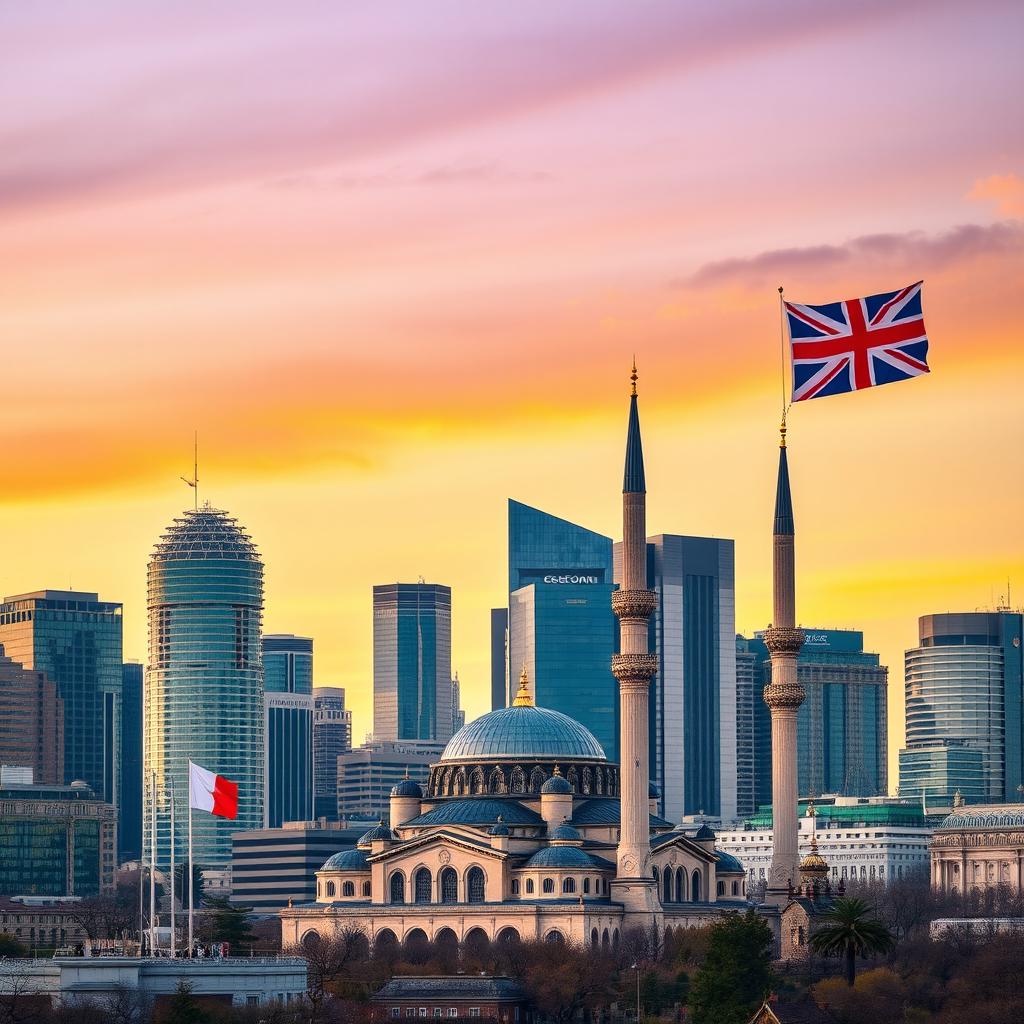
[(748, 697), (31, 723), (367, 774), (204, 680), (842, 725), (458, 715), (288, 689), (412, 662), (129, 808), (560, 625), (332, 736), (75, 638), (693, 701), (499, 658), (964, 692)]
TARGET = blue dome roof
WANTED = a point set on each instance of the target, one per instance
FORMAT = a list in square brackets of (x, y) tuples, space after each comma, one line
[(347, 860), (380, 831), (561, 857), (565, 834), (408, 787), (728, 864), (523, 731), (556, 784), (992, 816)]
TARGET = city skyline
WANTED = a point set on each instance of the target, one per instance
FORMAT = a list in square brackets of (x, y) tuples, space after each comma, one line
[(391, 329)]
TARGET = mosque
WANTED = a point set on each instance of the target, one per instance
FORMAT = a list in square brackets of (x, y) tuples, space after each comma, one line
[(526, 831)]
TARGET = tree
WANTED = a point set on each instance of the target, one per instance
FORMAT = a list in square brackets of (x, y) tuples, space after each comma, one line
[(183, 1008), (10, 946), (850, 931), (736, 975), (333, 960), (229, 922), (563, 979), (181, 884)]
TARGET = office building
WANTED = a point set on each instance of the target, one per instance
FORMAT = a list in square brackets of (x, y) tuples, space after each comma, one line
[(129, 807), (56, 841), (288, 751), (412, 662), (367, 774), (865, 838), (964, 687), (75, 638), (842, 731), (204, 680), (272, 866), (936, 772), (332, 736), (31, 723), (499, 658), (560, 624), (693, 701), (458, 715), (748, 696)]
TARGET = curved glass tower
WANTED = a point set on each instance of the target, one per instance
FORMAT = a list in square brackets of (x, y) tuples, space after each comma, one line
[(204, 680)]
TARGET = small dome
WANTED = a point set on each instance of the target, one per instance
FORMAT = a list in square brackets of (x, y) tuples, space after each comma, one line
[(380, 831), (561, 857), (813, 864), (523, 731), (347, 860), (408, 788), (500, 828), (557, 784), (653, 791), (565, 834), (728, 864)]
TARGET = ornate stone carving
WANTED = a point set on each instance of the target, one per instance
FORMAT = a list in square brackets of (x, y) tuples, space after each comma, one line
[(783, 695), (634, 668), (782, 640), (634, 604), (444, 857)]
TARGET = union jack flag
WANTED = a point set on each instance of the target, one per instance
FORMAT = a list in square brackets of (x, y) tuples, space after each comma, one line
[(857, 343)]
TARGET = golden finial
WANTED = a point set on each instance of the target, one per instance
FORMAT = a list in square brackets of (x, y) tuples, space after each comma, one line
[(523, 698), (782, 433), (632, 376), (558, 771)]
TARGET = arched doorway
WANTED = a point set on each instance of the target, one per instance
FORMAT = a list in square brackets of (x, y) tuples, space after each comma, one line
[(417, 947), (476, 943), (385, 945), (695, 886), (310, 940), (605, 940), (508, 936), (594, 938), (446, 942), (680, 885)]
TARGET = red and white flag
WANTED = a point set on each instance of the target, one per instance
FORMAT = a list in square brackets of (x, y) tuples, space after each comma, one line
[(210, 792)]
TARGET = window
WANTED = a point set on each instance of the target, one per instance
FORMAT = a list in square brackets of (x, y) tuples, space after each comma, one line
[(395, 1012), (422, 883), (423, 1011), (453, 1011), (586, 885), (568, 885), (449, 886), (474, 1011), (410, 1011), (529, 885), (366, 889), (252, 1000), (437, 1011), (398, 887), (348, 889), (474, 885), (515, 886), (549, 885), (330, 889)]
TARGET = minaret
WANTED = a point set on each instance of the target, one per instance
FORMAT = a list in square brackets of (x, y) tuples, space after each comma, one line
[(634, 668), (783, 694)]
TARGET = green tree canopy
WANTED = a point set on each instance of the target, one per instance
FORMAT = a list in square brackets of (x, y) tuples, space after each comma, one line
[(850, 930)]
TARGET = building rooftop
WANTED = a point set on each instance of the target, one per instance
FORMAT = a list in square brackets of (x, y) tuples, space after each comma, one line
[(205, 533), (984, 817), (478, 811), (449, 986)]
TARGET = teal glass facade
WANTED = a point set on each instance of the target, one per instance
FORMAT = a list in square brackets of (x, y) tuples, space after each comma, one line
[(129, 828), (76, 639), (560, 622), (204, 696), (288, 685)]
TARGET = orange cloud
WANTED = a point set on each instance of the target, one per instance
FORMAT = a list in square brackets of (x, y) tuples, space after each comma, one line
[(1005, 190)]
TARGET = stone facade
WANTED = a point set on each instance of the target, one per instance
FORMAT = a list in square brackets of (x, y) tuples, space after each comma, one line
[(979, 848)]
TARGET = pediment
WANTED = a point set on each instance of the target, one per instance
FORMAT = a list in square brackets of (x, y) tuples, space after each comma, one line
[(467, 840), (681, 844)]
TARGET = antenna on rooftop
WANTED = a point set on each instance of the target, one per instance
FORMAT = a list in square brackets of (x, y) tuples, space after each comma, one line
[(194, 482)]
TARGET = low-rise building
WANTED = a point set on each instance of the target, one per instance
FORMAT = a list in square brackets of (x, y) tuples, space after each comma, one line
[(979, 848), (867, 838), (39, 922), (454, 996)]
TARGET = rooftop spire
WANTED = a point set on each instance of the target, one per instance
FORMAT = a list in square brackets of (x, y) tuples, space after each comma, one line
[(633, 479), (523, 698), (783, 499)]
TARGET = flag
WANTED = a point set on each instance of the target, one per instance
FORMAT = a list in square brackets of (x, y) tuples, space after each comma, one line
[(210, 792), (857, 343)]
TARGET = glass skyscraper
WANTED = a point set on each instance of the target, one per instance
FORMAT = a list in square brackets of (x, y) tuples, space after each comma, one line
[(204, 680), (560, 622), (964, 688), (842, 725), (412, 662), (75, 638), (332, 736), (288, 686), (499, 658), (129, 824)]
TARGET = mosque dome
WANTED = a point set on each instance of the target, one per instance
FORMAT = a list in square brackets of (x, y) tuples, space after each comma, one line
[(347, 860), (561, 857), (523, 731), (408, 788), (728, 864), (557, 784), (380, 831), (565, 834)]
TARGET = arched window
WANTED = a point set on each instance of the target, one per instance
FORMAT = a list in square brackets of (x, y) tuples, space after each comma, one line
[(680, 885), (568, 885), (587, 785), (735, 888), (666, 887), (518, 780), (721, 888), (594, 937), (398, 887), (460, 782), (529, 885), (366, 889), (605, 940), (548, 885), (348, 888), (695, 886), (496, 782), (474, 885), (331, 889), (515, 886), (586, 885), (554, 936), (573, 779), (537, 779), (599, 781), (449, 886), (478, 780), (422, 884)]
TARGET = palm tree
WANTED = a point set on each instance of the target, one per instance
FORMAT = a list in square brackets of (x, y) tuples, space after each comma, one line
[(850, 931)]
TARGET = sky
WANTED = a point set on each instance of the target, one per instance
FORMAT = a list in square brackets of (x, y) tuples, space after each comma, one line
[(392, 263)]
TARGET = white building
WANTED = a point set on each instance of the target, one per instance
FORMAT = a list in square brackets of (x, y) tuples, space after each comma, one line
[(866, 838)]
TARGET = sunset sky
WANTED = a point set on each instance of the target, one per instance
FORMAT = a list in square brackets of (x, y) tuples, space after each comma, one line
[(392, 263)]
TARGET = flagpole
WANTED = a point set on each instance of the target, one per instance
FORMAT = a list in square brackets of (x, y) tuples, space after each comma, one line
[(191, 870), (782, 354), (174, 944), (152, 866)]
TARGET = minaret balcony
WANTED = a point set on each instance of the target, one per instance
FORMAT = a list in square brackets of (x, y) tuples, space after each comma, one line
[(783, 640), (784, 696), (634, 668), (634, 604)]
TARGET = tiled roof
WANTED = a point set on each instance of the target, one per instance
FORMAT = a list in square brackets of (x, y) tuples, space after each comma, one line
[(458, 986), (523, 731), (477, 811), (605, 811)]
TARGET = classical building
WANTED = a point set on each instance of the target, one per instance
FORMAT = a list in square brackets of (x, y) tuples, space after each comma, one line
[(41, 922), (979, 848), (525, 829)]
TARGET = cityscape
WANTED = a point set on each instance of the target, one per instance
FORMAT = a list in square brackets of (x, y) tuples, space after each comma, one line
[(520, 657)]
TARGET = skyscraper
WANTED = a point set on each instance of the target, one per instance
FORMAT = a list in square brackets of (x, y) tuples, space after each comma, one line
[(332, 736), (31, 723), (842, 726), (204, 679), (693, 703), (75, 638), (748, 696), (560, 624), (288, 689), (129, 817), (964, 692), (412, 662)]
